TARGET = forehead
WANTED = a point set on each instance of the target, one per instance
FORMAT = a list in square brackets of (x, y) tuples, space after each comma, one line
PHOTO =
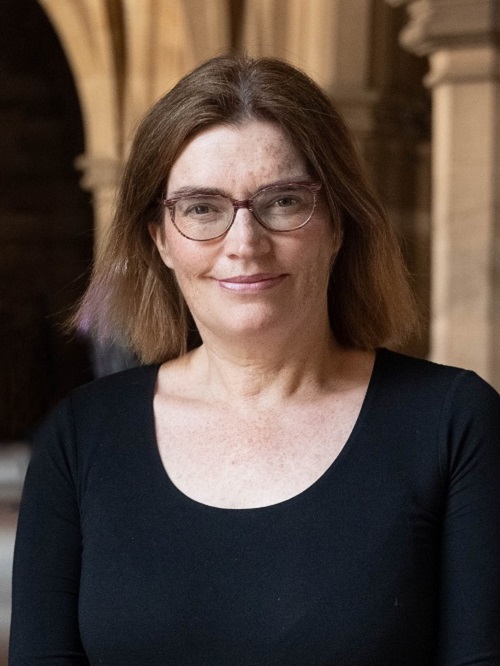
[(237, 158)]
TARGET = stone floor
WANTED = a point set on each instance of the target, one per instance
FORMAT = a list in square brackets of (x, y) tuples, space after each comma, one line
[(13, 461)]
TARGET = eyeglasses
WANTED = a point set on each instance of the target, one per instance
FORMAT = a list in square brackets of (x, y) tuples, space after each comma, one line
[(204, 217)]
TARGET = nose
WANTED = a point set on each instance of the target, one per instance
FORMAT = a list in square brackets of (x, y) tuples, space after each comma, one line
[(247, 237)]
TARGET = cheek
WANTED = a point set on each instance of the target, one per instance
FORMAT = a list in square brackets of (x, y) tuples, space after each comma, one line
[(181, 255), (318, 269), (186, 258), (324, 242)]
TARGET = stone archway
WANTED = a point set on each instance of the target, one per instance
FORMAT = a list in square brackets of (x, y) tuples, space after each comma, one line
[(46, 220)]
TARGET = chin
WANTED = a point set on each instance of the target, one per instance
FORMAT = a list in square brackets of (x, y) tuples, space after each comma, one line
[(251, 328), (250, 324)]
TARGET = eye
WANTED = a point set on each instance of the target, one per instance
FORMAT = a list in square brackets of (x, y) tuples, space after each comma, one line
[(285, 201), (199, 209)]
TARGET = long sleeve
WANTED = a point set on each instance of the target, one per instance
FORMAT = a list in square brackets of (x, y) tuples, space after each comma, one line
[(470, 562), (402, 528), (47, 557)]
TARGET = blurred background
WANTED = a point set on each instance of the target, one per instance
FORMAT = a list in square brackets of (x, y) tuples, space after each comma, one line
[(416, 80)]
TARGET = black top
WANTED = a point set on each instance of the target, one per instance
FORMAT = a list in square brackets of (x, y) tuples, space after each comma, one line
[(391, 558)]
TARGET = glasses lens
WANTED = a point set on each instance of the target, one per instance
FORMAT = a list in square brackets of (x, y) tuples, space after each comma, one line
[(202, 217), (284, 208)]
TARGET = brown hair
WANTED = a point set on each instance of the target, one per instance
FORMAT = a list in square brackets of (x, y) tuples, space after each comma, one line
[(133, 298)]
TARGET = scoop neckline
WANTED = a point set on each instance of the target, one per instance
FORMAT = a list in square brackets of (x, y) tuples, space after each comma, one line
[(188, 502)]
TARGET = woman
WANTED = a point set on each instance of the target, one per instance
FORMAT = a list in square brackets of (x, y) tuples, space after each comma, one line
[(283, 490)]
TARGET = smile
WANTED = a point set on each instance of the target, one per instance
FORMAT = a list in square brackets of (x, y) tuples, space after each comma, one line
[(251, 283)]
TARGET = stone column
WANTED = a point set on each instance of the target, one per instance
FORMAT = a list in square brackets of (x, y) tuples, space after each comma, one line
[(84, 28), (100, 177), (461, 38)]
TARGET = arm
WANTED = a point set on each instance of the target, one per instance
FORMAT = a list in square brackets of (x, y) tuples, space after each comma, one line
[(470, 565), (47, 556)]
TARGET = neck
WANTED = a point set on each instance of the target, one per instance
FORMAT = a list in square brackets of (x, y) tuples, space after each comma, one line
[(261, 371)]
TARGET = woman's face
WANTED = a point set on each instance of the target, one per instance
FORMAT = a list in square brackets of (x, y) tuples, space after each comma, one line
[(250, 281)]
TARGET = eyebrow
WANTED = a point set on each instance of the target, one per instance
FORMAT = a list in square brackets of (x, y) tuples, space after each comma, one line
[(192, 189), (215, 191)]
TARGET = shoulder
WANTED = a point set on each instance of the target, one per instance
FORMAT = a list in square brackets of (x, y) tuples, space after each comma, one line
[(428, 395), (401, 367), (116, 390), (452, 406), (107, 404), (111, 408), (427, 380), (94, 420)]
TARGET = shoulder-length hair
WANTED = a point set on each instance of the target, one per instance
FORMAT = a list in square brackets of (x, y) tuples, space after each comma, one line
[(134, 299)]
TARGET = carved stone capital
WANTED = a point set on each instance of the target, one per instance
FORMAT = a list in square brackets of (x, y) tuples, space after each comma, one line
[(447, 24), (99, 173), (477, 64), (100, 177)]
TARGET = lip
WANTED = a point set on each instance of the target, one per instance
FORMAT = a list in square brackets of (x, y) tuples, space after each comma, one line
[(251, 283)]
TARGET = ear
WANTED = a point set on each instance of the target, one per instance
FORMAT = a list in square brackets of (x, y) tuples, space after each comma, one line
[(157, 233)]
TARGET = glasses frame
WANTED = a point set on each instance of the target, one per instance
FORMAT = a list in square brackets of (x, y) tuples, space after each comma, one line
[(237, 204)]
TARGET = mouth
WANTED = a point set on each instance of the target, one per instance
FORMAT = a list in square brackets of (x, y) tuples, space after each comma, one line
[(251, 283)]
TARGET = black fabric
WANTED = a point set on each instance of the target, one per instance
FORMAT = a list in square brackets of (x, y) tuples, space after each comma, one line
[(392, 557)]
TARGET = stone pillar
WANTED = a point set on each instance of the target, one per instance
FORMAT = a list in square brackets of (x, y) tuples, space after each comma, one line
[(100, 177), (461, 38), (86, 36)]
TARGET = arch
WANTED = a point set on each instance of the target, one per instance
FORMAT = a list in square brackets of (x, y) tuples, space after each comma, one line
[(84, 28), (46, 229)]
